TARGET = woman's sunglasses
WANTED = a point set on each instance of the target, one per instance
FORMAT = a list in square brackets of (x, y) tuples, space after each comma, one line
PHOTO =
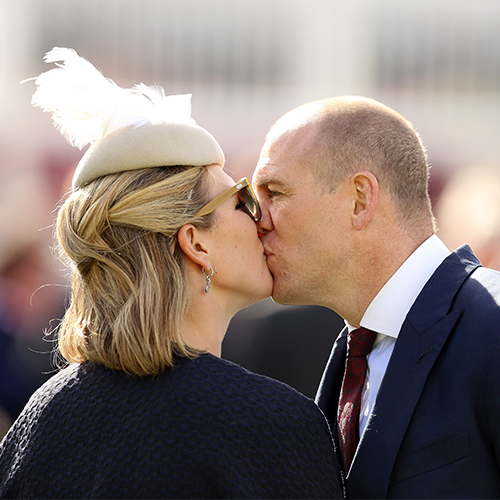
[(250, 205)]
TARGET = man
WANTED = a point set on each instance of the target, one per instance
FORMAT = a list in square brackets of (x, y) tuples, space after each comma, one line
[(347, 224)]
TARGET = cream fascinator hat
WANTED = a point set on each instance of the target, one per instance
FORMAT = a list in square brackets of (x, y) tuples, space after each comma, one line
[(127, 129)]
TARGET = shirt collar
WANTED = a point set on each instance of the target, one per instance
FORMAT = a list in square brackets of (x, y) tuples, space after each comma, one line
[(389, 308)]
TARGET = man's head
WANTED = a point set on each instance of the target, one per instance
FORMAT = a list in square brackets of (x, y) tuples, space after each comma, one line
[(332, 175), (349, 134)]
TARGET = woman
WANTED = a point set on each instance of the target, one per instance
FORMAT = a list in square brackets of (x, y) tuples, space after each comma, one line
[(163, 249)]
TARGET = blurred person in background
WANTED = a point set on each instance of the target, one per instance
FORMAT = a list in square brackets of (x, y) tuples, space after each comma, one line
[(468, 211), (163, 249), (411, 390), (289, 343), (25, 361), (31, 293)]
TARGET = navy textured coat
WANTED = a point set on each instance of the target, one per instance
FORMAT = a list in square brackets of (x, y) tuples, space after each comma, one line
[(435, 427), (205, 429)]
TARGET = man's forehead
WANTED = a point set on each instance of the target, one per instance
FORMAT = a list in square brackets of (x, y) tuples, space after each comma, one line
[(281, 174), (286, 149), (266, 174), (288, 140)]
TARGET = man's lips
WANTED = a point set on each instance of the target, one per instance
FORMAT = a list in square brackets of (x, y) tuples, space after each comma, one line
[(268, 254)]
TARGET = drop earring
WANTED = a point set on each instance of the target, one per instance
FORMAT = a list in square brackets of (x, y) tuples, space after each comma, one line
[(207, 276)]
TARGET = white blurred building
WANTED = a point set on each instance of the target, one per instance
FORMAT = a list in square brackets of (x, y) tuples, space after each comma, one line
[(249, 61)]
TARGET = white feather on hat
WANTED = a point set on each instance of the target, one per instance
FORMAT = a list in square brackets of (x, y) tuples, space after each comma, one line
[(127, 129)]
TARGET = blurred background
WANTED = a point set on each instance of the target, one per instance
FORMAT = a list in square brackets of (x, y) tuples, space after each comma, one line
[(246, 62)]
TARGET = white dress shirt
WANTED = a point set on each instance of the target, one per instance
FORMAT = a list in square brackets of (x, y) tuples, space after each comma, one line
[(387, 312)]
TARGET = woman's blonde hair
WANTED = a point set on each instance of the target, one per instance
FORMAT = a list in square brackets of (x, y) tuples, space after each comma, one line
[(128, 276)]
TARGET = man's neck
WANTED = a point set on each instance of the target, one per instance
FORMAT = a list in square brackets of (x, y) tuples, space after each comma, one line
[(378, 267)]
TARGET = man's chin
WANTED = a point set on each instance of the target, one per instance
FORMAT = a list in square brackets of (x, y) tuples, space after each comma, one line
[(284, 297)]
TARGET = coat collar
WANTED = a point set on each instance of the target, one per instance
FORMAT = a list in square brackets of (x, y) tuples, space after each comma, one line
[(423, 335)]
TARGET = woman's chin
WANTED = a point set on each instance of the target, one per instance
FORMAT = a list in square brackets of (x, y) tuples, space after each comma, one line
[(259, 293), (265, 291)]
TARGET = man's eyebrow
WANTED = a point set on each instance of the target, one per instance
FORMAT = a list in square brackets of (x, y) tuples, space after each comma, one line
[(265, 180)]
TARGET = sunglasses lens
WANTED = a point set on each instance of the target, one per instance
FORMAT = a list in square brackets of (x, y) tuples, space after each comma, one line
[(251, 204)]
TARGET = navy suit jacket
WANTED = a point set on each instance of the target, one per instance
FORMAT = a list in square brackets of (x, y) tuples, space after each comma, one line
[(435, 426)]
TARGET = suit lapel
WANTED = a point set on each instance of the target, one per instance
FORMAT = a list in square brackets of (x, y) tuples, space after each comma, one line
[(422, 337), (411, 362), (327, 397)]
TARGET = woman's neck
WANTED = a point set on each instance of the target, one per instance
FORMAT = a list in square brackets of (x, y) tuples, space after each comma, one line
[(205, 324)]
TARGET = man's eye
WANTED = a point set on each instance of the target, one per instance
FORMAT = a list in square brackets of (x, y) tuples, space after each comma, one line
[(240, 205), (272, 194)]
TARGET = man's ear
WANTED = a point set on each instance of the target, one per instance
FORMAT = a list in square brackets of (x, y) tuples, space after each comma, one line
[(194, 245), (365, 191)]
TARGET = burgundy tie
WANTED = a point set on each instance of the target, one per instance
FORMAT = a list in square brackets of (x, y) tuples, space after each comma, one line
[(359, 345)]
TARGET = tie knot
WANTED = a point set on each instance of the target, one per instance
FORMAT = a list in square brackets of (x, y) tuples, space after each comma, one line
[(360, 342)]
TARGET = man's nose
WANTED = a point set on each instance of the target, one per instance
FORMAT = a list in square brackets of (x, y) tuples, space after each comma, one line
[(265, 224)]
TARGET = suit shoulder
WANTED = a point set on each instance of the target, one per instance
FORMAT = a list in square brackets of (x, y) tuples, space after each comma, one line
[(481, 290)]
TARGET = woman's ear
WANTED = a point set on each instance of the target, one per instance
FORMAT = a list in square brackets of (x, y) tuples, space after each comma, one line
[(365, 190), (193, 243)]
